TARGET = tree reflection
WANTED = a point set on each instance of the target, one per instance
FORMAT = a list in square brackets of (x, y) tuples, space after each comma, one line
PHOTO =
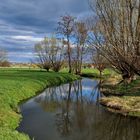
[(116, 127), (74, 109), (80, 116), (79, 106), (51, 98), (63, 119)]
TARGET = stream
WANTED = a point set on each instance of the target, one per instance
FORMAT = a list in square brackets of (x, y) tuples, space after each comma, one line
[(72, 112)]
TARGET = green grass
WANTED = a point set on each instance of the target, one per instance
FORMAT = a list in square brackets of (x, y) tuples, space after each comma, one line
[(94, 73), (91, 72), (17, 85)]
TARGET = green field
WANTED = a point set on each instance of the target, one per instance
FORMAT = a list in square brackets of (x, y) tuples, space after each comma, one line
[(17, 85)]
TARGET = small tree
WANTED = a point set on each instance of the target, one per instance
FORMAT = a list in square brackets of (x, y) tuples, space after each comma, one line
[(3, 59), (57, 53), (5, 63), (3, 55), (42, 51), (50, 53), (99, 62)]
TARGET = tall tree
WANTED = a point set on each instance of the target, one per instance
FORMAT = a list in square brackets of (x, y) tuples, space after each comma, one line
[(80, 33), (65, 28)]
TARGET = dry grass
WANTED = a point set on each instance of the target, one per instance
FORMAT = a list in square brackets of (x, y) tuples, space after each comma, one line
[(128, 103)]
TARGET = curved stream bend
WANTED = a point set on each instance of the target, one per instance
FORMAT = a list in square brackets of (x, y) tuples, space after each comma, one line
[(72, 112)]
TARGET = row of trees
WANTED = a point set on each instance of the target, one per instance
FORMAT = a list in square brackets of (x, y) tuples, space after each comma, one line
[(114, 35), (69, 47)]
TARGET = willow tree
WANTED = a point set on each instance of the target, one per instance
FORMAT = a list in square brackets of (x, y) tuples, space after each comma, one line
[(50, 53), (42, 51), (117, 34), (57, 53)]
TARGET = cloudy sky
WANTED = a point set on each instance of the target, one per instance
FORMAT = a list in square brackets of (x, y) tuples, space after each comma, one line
[(25, 22)]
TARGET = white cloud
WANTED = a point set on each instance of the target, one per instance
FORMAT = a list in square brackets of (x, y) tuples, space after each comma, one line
[(22, 54), (27, 38)]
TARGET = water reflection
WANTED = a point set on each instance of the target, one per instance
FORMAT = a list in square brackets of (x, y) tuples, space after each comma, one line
[(72, 112)]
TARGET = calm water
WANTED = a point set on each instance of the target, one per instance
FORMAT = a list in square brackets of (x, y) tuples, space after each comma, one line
[(72, 112)]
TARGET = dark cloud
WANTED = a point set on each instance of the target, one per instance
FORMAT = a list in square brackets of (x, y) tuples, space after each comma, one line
[(24, 22)]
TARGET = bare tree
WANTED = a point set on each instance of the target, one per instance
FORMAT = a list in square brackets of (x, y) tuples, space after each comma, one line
[(42, 50), (65, 28), (80, 33), (5, 63), (50, 53), (57, 53), (99, 62), (3, 59), (3, 55), (117, 34)]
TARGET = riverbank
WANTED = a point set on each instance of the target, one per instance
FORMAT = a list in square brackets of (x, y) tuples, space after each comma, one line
[(17, 85), (123, 99), (94, 73)]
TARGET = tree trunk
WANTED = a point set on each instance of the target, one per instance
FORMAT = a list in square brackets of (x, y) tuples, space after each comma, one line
[(69, 55), (100, 74), (128, 77)]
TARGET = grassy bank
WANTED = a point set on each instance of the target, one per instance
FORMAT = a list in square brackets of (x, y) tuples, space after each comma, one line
[(16, 85), (94, 73), (91, 72), (124, 99)]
